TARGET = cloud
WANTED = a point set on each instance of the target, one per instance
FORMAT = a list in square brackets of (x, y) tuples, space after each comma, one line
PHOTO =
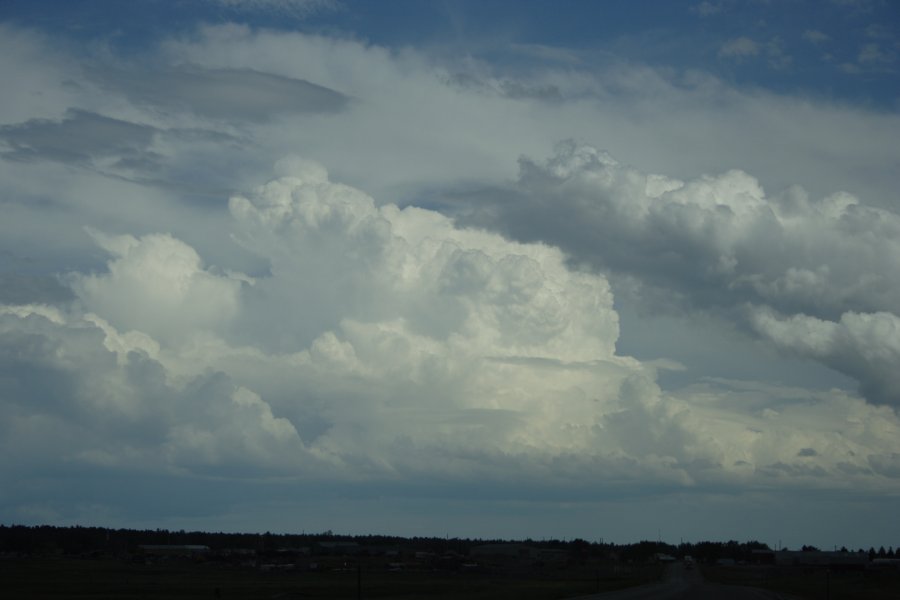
[(425, 328), (742, 48), (862, 6), (715, 243), (80, 137), (105, 401), (739, 48), (157, 285), (44, 74), (549, 54), (388, 352), (120, 149), (406, 347), (415, 265), (850, 68), (864, 346), (296, 8), (873, 55), (507, 88), (708, 9), (24, 288), (815, 36), (312, 338), (234, 94), (443, 134), (777, 58)]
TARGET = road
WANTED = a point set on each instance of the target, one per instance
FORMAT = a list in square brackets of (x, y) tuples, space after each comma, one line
[(680, 583)]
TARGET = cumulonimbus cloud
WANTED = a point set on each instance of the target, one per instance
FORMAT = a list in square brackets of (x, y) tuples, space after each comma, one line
[(721, 243), (389, 343)]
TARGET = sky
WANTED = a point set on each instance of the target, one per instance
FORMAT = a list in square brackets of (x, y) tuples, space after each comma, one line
[(609, 270)]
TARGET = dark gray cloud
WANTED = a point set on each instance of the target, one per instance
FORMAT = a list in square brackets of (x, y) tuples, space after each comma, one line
[(26, 280), (715, 242), (865, 346), (103, 403), (506, 87), (123, 149), (23, 288), (80, 137), (232, 94)]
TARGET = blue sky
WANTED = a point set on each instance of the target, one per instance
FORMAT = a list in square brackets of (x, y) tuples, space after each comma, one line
[(842, 51), (609, 270)]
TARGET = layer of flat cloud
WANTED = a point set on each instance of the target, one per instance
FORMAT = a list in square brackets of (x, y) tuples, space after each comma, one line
[(80, 137), (234, 94), (445, 133)]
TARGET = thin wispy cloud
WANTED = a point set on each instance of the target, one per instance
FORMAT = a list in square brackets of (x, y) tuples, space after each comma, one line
[(738, 48)]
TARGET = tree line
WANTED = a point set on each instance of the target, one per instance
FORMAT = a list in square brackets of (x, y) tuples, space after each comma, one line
[(78, 540)]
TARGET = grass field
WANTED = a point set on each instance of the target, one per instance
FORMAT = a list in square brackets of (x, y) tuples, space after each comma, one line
[(109, 578), (812, 583)]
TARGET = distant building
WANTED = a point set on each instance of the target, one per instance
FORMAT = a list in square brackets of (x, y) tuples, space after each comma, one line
[(762, 557), (340, 548), (800, 558), (663, 557), (552, 556), (173, 549), (886, 563), (504, 551)]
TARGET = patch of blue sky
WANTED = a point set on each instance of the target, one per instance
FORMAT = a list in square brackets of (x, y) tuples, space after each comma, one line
[(840, 50)]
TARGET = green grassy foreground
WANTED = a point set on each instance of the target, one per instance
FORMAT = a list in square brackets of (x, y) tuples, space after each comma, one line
[(112, 578), (811, 583)]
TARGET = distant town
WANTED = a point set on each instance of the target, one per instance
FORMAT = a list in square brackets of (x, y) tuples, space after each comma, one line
[(188, 563), (321, 550)]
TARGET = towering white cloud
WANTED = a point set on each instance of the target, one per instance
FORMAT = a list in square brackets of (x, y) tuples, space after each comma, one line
[(383, 264), (720, 243), (157, 285), (389, 343)]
